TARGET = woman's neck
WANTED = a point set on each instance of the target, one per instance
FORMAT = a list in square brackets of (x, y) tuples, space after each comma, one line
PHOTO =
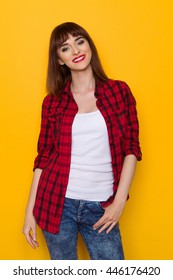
[(82, 81)]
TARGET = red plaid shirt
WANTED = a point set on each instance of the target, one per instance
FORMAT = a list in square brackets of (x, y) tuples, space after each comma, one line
[(117, 105)]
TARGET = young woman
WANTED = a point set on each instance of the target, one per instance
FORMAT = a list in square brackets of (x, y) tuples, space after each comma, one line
[(87, 152)]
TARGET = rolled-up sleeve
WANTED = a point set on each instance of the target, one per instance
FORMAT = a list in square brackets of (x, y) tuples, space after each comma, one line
[(132, 145), (45, 140)]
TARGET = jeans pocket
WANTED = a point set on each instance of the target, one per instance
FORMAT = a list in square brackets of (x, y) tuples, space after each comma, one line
[(100, 205), (94, 207)]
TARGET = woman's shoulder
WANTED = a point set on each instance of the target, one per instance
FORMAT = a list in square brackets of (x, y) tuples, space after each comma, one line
[(49, 100), (117, 89), (117, 84), (49, 105)]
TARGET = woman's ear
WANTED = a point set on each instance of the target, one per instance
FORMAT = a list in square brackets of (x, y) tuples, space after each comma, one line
[(60, 61)]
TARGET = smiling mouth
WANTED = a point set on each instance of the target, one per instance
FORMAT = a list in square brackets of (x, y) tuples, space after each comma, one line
[(79, 59)]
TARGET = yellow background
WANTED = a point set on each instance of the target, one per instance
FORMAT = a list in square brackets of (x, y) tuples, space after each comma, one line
[(134, 39)]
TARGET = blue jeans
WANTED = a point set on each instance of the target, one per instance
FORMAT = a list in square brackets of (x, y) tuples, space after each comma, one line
[(81, 215)]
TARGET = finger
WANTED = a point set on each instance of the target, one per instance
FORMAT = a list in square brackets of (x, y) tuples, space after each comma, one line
[(34, 242), (34, 235), (29, 240), (111, 227), (100, 222), (104, 226)]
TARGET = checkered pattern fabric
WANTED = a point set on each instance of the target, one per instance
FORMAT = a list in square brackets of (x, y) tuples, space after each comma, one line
[(118, 107)]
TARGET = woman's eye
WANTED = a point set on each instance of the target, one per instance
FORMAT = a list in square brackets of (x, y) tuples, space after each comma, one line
[(80, 42), (64, 49)]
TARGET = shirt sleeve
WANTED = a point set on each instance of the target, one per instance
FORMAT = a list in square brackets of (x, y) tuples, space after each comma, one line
[(132, 145), (45, 140)]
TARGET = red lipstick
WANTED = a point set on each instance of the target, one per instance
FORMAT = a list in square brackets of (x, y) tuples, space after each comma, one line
[(78, 58)]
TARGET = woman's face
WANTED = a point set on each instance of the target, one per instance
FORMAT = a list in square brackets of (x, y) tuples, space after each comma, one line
[(75, 53)]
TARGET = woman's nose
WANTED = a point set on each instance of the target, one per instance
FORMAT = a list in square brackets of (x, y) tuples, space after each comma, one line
[(75, 50)]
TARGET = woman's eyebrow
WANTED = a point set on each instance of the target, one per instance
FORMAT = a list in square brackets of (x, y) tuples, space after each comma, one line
[(66, 43), (63, 44), (79, 37)]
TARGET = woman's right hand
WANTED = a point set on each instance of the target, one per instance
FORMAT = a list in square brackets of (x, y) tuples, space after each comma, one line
[(29, 230)]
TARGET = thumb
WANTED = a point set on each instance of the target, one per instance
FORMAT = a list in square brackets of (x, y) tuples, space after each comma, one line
[(34, 235)]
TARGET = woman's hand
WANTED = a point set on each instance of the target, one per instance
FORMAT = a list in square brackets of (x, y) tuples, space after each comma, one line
[(111, 216), (29, 230), (113, 211)]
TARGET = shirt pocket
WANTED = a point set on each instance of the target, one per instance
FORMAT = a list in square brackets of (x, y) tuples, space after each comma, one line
[(119, 123), (55, 125)]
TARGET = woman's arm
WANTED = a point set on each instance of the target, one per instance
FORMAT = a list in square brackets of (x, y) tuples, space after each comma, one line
[(113, 211), (44, 148), (29, 228)]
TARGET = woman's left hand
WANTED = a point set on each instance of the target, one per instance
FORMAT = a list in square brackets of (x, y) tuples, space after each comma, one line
[(111, 217)]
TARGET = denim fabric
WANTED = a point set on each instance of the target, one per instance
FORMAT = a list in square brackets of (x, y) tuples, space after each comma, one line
[(81, 215)]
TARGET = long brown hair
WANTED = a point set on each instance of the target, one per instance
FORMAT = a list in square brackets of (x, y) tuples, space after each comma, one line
[(57, 75)]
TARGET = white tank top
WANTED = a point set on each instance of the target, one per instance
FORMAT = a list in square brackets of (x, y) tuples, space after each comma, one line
[(91, 176)]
